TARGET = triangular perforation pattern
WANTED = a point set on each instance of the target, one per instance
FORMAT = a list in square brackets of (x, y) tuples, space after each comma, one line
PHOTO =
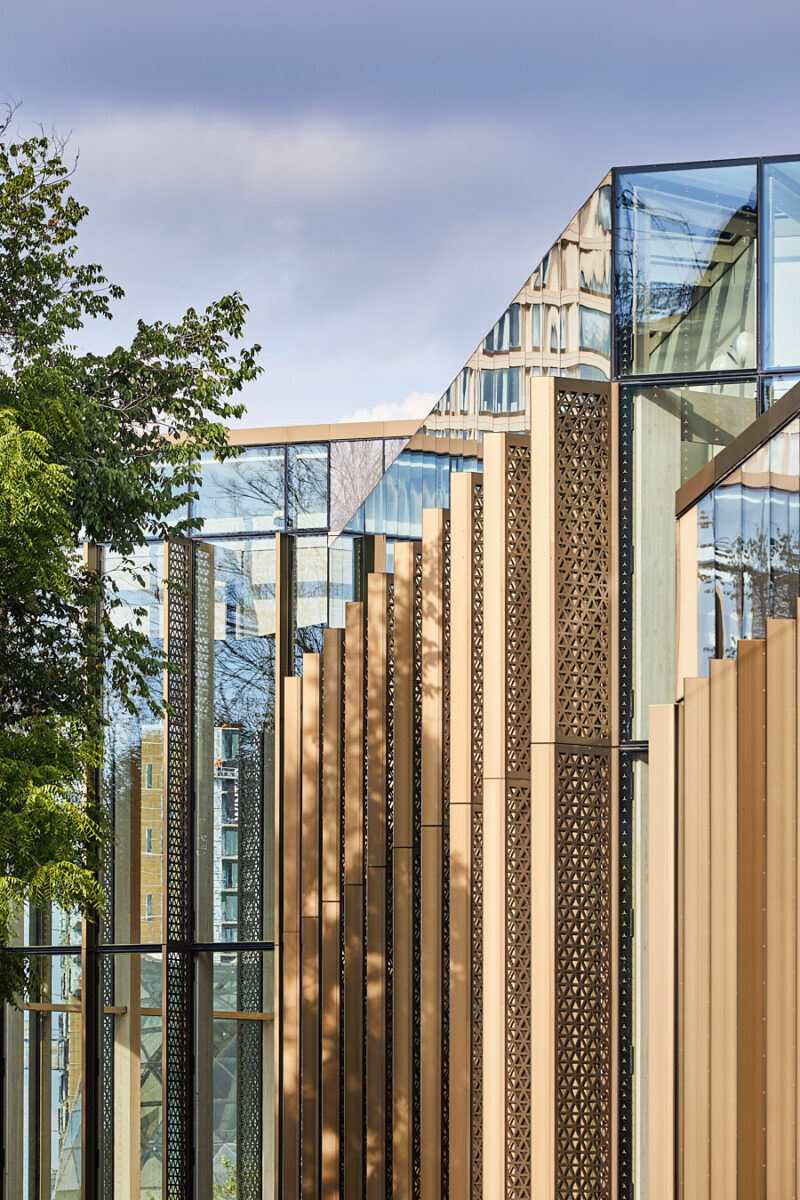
[(583, 565), (583, 976)]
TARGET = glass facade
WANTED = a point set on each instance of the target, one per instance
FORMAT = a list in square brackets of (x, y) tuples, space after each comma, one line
[(306, 490), (655, 285), (748, 548), (559, 323), (781, 193), (685, 257)]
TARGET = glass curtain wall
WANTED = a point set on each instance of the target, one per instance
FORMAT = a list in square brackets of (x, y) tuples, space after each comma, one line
[(748, 548), (781, 203), (685, 255), (302, 491), (673, 430)]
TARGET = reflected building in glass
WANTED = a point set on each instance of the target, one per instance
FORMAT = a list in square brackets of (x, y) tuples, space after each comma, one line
[(382, 892)]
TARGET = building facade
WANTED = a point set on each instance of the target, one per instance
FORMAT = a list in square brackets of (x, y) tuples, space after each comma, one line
[(384, 916)]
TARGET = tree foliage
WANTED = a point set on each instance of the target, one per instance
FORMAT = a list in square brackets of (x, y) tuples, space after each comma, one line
[(93, 449)]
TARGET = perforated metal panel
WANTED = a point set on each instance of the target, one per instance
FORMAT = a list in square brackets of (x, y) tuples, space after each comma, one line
[(417, 875), (518, 610), (625, 982), (445, 995), (583, 565), (476, 933), (249, 1100), (177, 961), (518, 822), (390, 704), (583, 1001)]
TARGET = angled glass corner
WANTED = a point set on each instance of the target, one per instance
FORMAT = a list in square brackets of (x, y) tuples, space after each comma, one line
[(685, 268)]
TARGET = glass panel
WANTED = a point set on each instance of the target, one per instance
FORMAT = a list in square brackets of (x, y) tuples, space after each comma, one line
[(781, 334), (536, 326), (776, 386), (784, 543), (487, 391), (342, 566), (308, 486), (244, 493), (48, 1039), (595, 330), (675, 431), (133, 768), (234, 731), (356, 468), (685, 246), (708, 598), (749, 553), (240, 1123), (131, 1099), (310, 579), (464, 390)]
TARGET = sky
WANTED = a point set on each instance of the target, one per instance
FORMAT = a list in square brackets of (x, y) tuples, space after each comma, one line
[(377, 179)]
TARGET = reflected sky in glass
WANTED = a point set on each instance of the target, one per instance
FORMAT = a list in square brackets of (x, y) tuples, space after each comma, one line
[(685, 254)]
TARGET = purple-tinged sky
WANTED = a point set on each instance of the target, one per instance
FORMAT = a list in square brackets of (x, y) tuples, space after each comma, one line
[(378, 179)]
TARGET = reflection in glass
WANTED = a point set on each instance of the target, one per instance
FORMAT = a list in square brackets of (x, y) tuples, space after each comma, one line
[(781, 333), (748, 547), (308, 486), (356, 468), (44, 1123), (501, 390), (311, 580), (506, 333), (342, 579), (675, 431), (241, 1119), (775, 386), (685, 251), (595, 330), (131, 1093), (245, 493), (235, 738), (133, 767)]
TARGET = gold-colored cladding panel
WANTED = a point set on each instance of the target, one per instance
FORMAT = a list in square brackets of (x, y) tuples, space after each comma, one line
[(354, 900), (433, 521), (751, 925), (332, 785), (494, 850), (781, 926), (283, 666), (402, 1033), (543, 729), (462, 753), (796, 704), (695, 915), (310, 935), (377, 737), (311, 765), (543, 971), (660, 1182), (543, 599), (292, 786), (507, 831), (722, 703)]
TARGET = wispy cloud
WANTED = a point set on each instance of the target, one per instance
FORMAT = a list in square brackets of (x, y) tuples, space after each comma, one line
[(311, 160), (415, 406)]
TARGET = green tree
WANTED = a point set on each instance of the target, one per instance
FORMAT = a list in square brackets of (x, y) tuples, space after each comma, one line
[(93, 449)]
